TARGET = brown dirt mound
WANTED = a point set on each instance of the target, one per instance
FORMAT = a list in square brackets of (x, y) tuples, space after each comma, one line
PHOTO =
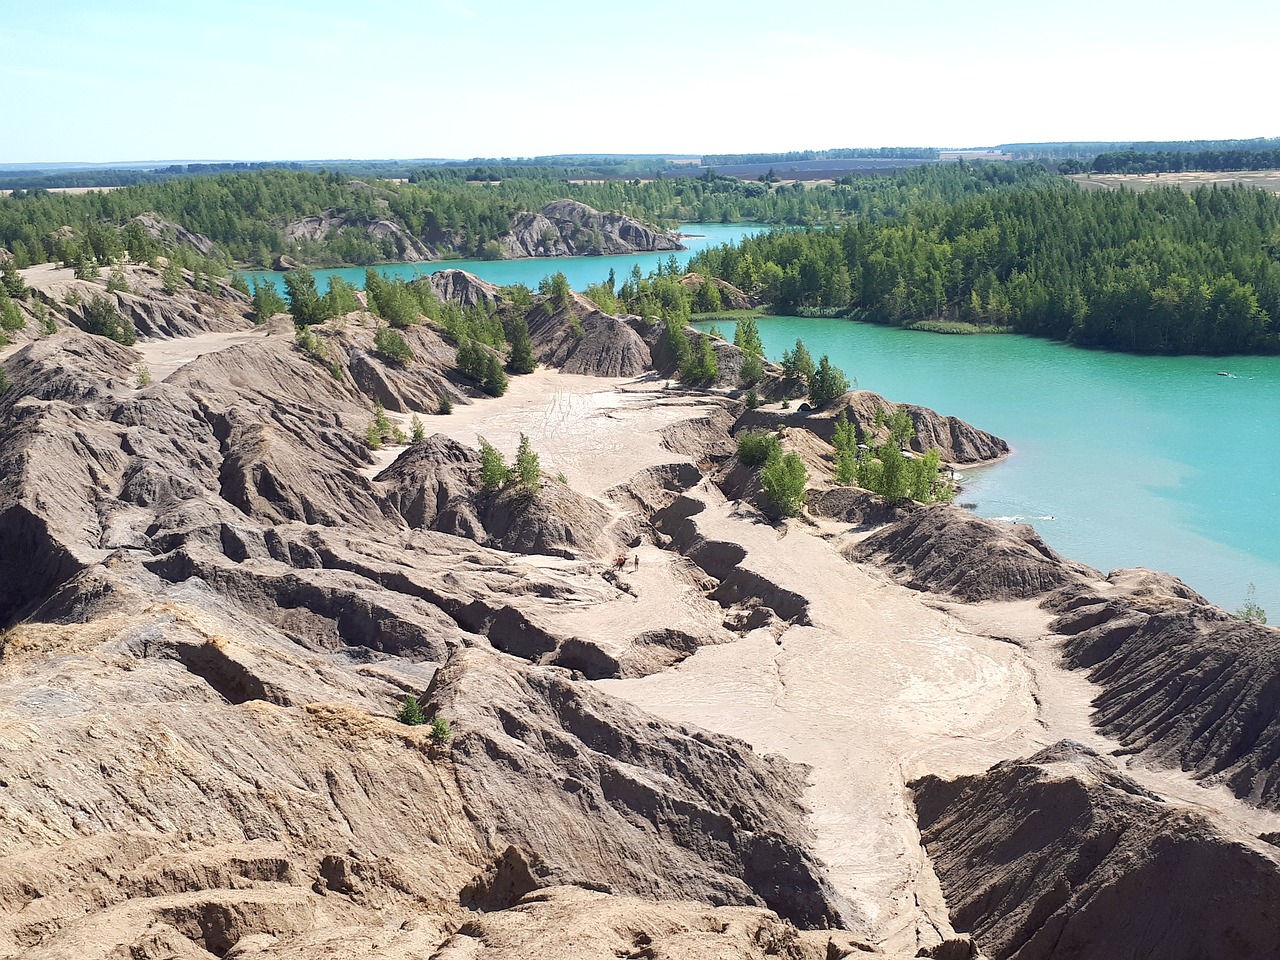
[(675, 813), (1058, 855), (436, 486), (581, 338), (943, 549), (1183, 682), (955, 440)]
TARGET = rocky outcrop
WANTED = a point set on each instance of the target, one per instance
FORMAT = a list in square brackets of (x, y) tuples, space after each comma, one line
[(857, 507), (215, 307), (396, 242), (172, 235), (565, 228), (462, 288), (1058, 855), (956, 441), (1183, 683), (578, 337), (577, 924), (627, 803), (731, 298), (436, 485), (944, 549)]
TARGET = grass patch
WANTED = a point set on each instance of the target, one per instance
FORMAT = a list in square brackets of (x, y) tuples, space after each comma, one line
[(956, 327), (727, 315)]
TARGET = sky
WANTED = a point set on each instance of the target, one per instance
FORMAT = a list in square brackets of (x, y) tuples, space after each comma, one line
[(234, 80)]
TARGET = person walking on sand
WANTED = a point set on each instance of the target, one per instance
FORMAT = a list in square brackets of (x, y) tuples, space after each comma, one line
[(637, 560)]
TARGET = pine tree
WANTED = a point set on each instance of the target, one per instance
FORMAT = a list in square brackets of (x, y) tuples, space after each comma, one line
[(527, 470), (521, 359), (494, 471), (495, 379), (171, 277), (797, 362), (827, 383)]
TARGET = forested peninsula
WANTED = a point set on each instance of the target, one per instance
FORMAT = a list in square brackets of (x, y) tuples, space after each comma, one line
[(1161, 271)]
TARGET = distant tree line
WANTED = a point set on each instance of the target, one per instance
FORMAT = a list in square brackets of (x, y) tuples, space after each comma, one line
[(1159, 271), (246, 213), (1174, 161), (1086, 150), (842, 153)]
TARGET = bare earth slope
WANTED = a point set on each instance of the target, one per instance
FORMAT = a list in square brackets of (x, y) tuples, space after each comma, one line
[(676, 729), (1058, 855)]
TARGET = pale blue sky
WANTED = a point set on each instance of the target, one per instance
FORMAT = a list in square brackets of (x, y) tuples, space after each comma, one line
[(232, 80)]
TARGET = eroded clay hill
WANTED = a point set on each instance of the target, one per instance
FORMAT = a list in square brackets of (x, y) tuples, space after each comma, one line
[(215, 597)]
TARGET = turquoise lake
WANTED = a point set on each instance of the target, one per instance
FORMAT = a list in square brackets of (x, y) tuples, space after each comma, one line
[(1139, 461), (580, 271)]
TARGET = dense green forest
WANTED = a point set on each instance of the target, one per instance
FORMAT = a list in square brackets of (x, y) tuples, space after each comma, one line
[(566, 167), (1177, 161), (246, 212), (1160, 271)]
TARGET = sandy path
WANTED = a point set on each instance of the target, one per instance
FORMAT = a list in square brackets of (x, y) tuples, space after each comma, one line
[(880, 689), (163, 357)]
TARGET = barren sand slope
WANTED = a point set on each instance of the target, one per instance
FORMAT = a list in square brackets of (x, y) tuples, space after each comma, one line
[(163, 357), (878, 690), (598, 431)]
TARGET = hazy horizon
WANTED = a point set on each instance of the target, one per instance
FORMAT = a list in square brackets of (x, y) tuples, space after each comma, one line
[(453, 79)]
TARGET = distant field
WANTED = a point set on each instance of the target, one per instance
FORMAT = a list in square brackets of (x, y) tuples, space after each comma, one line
[(806, 170), (1265, 179), (67, 190)]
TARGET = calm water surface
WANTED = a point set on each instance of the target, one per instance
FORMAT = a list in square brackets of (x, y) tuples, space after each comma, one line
[(1139, 461), (580, 271), (1117, 460)]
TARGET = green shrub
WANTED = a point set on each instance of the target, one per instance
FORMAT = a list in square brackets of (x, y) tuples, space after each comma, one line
[(827, 383), (785, 481), (411, 712), (1250, 611), (392, 346), (527, 470), (102, 318), (267, 301), (494, 471), (171, 276), (756, 447), (752, 370), (11, 317), (446, 404), (48, 325), (441, 732), (117, 282)]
